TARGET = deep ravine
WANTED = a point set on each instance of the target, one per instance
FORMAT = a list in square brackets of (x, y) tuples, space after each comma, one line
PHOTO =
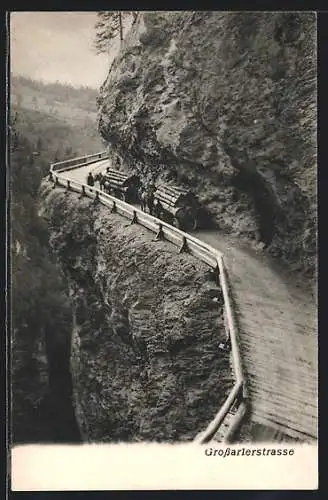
[(146, 364)]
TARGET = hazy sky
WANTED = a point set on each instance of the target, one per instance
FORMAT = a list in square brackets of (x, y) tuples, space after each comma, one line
[(56, 46)]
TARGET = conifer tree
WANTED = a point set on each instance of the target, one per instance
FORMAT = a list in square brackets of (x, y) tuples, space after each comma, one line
[(109, 25)]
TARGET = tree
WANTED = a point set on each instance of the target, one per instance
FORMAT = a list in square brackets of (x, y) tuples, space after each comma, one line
[(109, 25)]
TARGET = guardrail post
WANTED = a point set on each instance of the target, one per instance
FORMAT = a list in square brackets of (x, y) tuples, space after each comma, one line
[(160, 234), (239, 397), (114, 209), (245, 391), (68, 186), (216, 274), (184, 246), (134, 219), (56, 183)]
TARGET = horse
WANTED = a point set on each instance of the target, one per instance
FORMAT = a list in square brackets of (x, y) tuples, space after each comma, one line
[(150, 198), (146, 197), (103, 183), (99, 178), (106, 186), (142, 194), (157, 209)]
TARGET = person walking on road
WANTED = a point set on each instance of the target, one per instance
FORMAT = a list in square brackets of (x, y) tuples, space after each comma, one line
[(90, 180)]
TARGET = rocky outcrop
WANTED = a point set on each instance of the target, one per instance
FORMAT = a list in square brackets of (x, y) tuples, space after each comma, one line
[(224, 103), (147, 324)]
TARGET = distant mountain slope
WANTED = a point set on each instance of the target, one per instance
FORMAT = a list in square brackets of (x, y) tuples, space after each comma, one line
[(72, 104), (57, 139), (59, 120)]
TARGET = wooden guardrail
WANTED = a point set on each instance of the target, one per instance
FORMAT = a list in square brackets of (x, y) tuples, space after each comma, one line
[(237, 398), (238, 394), (77, 162)]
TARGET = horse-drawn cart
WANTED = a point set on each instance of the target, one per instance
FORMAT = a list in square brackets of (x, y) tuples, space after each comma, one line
[(121, 184), (177, 206)]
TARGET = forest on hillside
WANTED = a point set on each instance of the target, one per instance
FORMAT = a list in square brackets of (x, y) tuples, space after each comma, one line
[(41, 314), (54, 138), (59, 120), (41, 317), (83, 97)]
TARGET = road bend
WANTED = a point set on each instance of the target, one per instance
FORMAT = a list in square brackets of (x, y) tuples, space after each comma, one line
[(278, 337)]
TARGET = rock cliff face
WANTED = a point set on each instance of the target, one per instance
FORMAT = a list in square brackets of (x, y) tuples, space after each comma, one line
[(224, 103), (147, 323)]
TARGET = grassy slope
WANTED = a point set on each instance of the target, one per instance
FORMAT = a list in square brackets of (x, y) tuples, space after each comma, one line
[(58, 119)]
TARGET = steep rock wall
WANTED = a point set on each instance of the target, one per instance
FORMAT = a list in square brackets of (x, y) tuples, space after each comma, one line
[(224, 103), (147, 323)]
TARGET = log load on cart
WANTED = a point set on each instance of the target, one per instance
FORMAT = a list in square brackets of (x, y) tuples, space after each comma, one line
[(177, 206), (121, 185)]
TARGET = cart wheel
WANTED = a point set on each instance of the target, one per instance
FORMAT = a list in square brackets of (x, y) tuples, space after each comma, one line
[(176, 223)]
